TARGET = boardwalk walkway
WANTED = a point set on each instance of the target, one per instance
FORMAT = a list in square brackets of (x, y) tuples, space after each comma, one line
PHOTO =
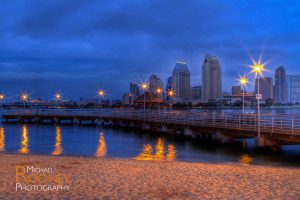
[(286, 125)]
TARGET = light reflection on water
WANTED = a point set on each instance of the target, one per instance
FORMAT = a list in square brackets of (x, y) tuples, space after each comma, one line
[(24, 142), (102, 149), (2, 139), (147, 153), (119, 143), (246, 159), (58, 146)]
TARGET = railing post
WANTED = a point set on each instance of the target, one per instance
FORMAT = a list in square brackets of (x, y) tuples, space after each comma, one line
[(272, 124), (280, 124), (293, 125), (239, 121)]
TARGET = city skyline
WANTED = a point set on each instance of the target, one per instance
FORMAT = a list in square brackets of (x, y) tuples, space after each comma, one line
[(76, 48)]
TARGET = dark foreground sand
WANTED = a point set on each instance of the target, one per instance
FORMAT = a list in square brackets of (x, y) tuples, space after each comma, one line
[(100, 178)]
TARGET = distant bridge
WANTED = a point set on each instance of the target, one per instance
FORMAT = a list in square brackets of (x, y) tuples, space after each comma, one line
[(276, 129)]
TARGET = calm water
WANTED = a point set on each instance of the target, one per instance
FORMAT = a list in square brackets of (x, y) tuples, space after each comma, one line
[(120, 143)]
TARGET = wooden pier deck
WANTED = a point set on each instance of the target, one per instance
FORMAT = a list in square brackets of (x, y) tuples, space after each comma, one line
[(275, 128)]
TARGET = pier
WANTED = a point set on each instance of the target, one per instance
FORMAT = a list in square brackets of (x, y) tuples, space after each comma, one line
[(275, 129)]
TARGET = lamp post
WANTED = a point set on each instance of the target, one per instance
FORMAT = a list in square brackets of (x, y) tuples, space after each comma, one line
[(57, 98), (1, 99), (170, 95), (258, 69), (100, 94), (243, 82), (159, 92), (24, 97), (144, 88)]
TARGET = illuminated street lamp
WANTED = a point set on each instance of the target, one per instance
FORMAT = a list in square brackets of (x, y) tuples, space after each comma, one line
[(159, 92), (1, 99), (24, 97), (171, 94), (258, 68), (57, 96), (144, 86), (100, 94), (243, 82)]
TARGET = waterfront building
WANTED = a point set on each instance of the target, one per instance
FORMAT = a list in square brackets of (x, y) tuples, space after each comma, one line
[(134, 89), (127, 99), (155, 83), (181, 82), (293, 85), (150, 99), (280, 88), (265, 87), (211, 78), (196, 92), (236, 89), (250, 98)]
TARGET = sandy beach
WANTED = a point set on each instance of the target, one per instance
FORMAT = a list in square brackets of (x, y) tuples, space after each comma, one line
[(104, 178)]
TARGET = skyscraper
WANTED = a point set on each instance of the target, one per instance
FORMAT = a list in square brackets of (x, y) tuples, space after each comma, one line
[(134, 89), (181, 82), (155, 83), (265, 87), (280, 88), (196, 92), (211, 78), (293, 85)]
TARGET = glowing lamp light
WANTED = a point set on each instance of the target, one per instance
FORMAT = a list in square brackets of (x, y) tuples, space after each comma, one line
[(24, 97), (144, 86), (1, 96), (100, 93), (57, 96), (159, 90), (243, 81), (170, 93), (258, 68)]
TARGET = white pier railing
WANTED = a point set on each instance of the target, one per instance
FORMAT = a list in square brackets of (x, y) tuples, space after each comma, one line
[(288, 124)]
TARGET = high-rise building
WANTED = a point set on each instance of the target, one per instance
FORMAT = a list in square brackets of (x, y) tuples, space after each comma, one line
[(196, 92), (280, 88), (293, 85), (236, 89), (181, 82), (265, 87), (155, 83), (211, 78), (134, 90)]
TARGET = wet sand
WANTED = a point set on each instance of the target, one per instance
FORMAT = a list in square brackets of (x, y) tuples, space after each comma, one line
[(104, 178)]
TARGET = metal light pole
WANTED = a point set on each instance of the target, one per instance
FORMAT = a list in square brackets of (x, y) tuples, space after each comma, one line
[(100, 94), (1, 99), (243, 83), (57, 98), (258, 69), (144, 88), (24, 98), (171, 94), (159, 92)]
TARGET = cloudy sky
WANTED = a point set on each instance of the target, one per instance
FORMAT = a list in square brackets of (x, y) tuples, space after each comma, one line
[(78, 46)]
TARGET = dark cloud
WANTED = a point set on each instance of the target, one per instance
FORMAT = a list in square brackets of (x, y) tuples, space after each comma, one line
[(77, 46)]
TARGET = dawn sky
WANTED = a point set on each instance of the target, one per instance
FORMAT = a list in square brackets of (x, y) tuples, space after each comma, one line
[(77, 46)]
